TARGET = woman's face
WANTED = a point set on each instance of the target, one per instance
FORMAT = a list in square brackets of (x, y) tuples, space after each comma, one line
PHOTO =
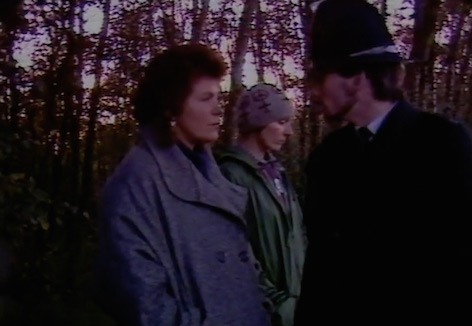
[(199, 122), (275, 134)]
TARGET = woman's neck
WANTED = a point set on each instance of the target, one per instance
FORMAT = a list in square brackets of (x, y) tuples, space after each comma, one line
[(252, 146)]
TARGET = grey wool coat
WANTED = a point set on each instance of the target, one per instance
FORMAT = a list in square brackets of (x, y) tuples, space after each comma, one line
[(172, 245)]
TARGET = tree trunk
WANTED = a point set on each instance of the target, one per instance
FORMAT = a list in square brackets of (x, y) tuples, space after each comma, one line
[(172, 33), (423, 40), (311, 128), (12, 77), (451, 58), (237, 64), (466, 68), (50, 123), (10, 20), (89, 155), (465, 71), (383, 8), (75, 125), (152, 45), (259, 43), (199, 19), (424, 28), (67, 86)]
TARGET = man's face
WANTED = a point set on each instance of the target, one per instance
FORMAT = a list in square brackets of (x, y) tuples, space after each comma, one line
[(333, 96)]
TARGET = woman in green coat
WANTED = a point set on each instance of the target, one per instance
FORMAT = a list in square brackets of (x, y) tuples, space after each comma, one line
[(274, 217)]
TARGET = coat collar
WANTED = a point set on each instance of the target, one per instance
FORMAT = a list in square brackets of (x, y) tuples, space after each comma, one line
[(186, 182), (239, 154), (394, 126), (399, 120)]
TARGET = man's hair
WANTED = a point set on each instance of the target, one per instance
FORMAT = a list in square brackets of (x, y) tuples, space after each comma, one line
[(168, 81), (386, 78)]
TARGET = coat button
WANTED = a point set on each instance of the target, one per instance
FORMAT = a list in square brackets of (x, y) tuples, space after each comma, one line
[(221, 256), (243, 256)]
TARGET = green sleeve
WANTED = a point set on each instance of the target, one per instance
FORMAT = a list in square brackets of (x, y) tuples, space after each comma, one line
[(281, 305)]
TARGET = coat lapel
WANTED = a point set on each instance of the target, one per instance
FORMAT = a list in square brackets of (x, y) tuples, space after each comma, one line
[(186, 182), (265, 180), (396, 123), (270, 186)]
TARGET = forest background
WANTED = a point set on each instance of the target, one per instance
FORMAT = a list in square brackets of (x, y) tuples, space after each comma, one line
[(68, 69)]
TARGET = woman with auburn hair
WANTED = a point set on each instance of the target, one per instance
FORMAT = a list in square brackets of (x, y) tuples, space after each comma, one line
[(173, 247)]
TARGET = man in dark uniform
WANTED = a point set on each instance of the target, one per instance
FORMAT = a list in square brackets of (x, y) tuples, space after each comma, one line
[(389, 196)]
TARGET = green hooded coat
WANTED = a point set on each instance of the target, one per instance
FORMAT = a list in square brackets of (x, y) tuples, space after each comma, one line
[(276, 231)]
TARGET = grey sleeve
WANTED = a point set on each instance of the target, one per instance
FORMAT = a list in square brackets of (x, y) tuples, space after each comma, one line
[(132, 283)]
